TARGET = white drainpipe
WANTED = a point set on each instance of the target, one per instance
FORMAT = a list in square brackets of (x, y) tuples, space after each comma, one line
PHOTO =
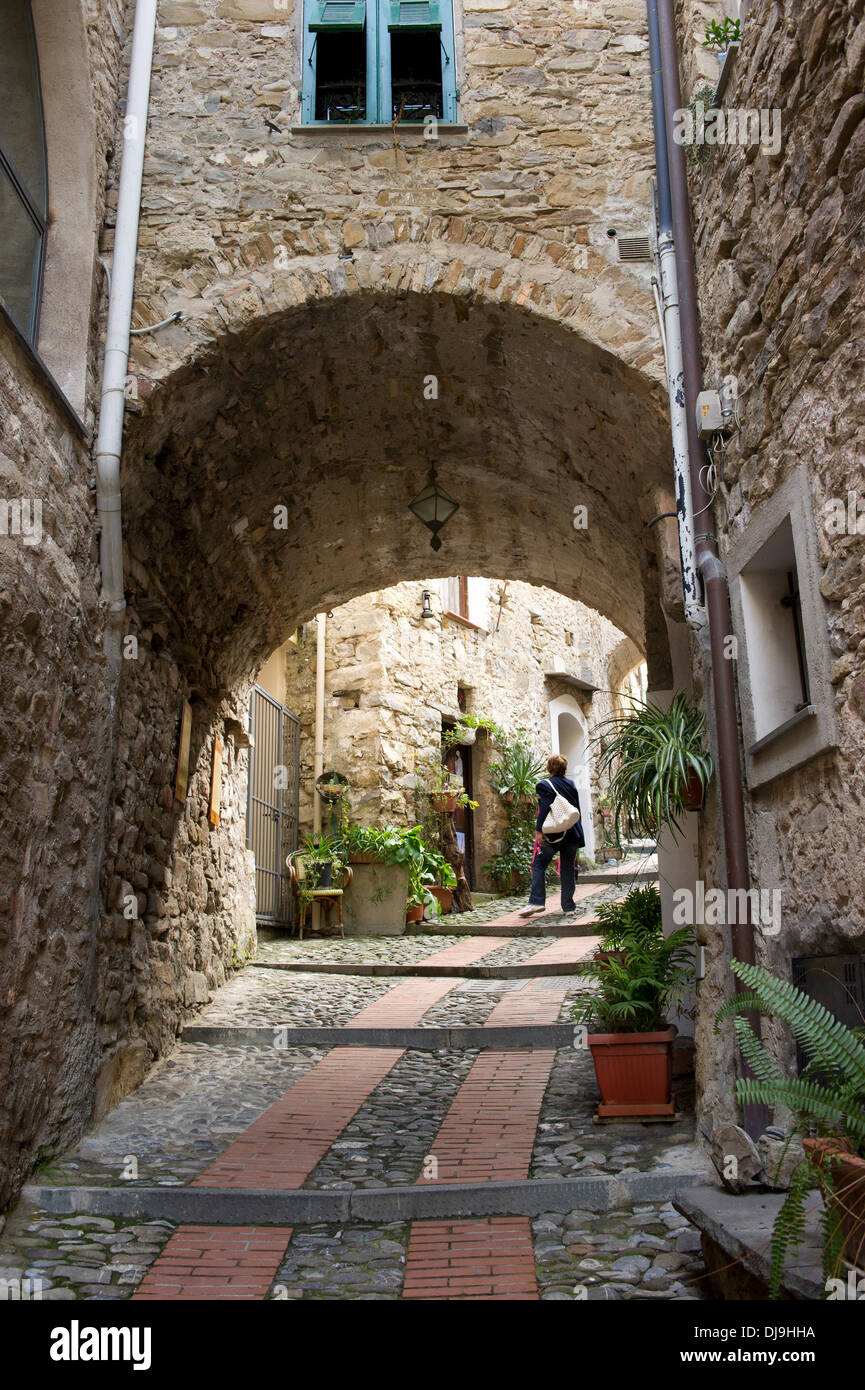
[(109, 441), (318, 750), (666, 256)]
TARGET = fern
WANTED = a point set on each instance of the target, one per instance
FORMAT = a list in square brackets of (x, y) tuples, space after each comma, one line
[(819, 1033), (830, 1094), (788, 1231)]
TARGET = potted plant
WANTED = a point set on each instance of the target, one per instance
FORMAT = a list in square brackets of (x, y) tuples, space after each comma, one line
[(723, 37), (322, 859), (440, 880), (445, 791), (516, 776), (382, 859), (636, 916), (828, 1100), (658, 764), (631, 1042), (332, 787)]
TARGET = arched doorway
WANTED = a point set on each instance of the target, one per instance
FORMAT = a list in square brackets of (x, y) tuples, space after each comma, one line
[(569, 735)]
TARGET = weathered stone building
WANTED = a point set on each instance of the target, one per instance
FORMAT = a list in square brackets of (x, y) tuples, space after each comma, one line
[(524, 657), (779, 245), (326, 273)]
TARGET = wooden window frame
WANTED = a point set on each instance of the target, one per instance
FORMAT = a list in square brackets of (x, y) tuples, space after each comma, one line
[(30, 330), (379, 101)]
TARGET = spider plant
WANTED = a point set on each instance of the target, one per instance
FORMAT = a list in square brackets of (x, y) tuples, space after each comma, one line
[(654, 757), (520, 769)]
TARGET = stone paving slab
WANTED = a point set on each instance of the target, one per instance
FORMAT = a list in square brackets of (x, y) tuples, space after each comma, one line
[(740, 1227), (183, 1115), (645, 1250), (568, 1143), (237, 1206)]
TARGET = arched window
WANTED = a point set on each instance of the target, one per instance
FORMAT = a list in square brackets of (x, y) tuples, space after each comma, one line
[(23, 171)]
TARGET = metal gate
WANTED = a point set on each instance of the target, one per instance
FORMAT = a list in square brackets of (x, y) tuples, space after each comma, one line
[(272, 804)]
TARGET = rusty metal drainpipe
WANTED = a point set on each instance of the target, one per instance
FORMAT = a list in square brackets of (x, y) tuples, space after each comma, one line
[(708, 562)]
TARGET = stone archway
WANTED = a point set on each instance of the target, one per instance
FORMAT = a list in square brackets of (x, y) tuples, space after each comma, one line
[(269, 478)]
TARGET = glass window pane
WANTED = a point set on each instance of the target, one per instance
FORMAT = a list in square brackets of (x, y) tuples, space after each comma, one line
[(20, 241), (340, 77), (416, 76), (21, 134)]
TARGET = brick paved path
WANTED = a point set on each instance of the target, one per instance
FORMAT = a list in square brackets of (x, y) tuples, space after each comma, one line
[(488, 1134), (478, 1259)]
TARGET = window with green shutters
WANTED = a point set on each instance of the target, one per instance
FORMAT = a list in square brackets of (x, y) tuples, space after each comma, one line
[(377, 61)]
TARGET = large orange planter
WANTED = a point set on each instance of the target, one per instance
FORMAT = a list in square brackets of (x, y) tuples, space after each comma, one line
[(848, 1199), (635, 1073)]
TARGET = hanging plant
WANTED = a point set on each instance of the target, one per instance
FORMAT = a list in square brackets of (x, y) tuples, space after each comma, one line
[(658, 765)]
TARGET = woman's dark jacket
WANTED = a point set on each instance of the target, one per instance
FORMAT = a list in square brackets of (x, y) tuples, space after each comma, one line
[(546, 797)]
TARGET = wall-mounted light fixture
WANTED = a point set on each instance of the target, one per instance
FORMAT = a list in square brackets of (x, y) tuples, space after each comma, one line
[(426, 605), (433, 507)]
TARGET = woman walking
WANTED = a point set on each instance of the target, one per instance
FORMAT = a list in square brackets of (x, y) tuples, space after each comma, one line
[(559, 806)]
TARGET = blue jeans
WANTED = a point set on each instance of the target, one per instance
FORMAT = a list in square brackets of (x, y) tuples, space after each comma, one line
[(546, 853)]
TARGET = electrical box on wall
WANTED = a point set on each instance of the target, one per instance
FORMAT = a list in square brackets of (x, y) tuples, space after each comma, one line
[(710, 417), (718, 411)]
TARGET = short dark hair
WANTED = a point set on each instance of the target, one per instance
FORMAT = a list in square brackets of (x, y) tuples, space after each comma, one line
[(557, 766)]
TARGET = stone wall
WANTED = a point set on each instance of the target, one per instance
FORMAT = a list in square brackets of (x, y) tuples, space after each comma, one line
[(56, 739), (779, 259), (392, 677)]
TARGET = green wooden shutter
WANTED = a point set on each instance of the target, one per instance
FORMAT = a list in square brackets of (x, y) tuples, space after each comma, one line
[(337, 16), (414, 14)]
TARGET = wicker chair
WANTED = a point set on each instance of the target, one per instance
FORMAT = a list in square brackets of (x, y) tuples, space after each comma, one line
[(328, 897)]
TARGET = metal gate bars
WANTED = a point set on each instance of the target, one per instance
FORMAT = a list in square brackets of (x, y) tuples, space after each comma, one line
[(272, 804)]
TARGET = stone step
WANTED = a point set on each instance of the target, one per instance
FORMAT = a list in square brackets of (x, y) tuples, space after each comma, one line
[(502, 1038), (737, 1235), (277, 1207), (522, 971)]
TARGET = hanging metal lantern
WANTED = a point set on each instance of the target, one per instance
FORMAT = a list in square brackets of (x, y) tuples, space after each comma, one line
[(434, 508)]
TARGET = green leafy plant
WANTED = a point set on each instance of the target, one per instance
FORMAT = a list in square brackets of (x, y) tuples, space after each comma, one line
[(828, 1098), (428, 869), (317, 853), (720, 36), (636, 916), (519, 769), (634, 993), (455, 734), (699, 106), (654, 755), (438, 780)]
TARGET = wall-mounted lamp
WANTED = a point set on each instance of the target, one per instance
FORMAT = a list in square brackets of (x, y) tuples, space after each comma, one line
[(434, 508), (426, 605)]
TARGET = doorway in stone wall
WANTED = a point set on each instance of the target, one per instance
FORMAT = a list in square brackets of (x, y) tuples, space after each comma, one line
[(272, 804), (459, 762), (570, 736)]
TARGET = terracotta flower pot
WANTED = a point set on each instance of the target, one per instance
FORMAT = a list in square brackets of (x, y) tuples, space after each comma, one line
[(444, 802), (635, 1073), (848, 1199), (445, 897), (415, 913), (509, 797), (602, 957), (694, 794)]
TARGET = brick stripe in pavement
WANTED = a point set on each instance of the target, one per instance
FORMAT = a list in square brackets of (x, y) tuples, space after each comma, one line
[(553, 907), (487, 1260), (566, 949), (489, 1132), (216, 1262)]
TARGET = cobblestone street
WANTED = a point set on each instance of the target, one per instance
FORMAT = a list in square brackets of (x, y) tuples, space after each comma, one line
[(222, 1121)]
